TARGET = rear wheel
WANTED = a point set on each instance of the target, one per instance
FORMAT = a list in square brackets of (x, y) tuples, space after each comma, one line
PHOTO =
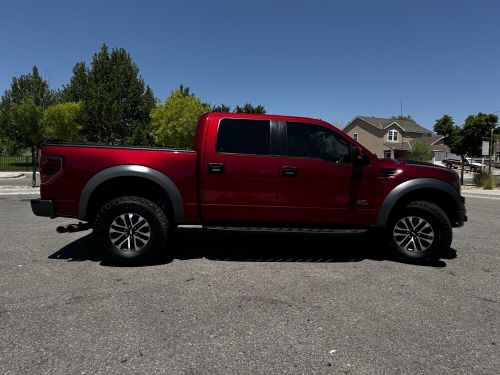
[(421, 231), (131, 229)]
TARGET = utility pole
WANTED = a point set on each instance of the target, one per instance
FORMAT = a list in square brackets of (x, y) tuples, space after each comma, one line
[(491, 151), (401, 119), (491, 145)]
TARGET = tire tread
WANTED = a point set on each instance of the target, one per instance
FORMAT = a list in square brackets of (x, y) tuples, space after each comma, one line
[(100, 230), (444, 227)]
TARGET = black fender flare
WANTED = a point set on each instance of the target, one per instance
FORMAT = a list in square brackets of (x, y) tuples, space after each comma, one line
[(411, 185), (132, 171)]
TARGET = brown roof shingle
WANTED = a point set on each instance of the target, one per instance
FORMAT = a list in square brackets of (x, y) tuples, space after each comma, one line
[(407, 125), (431, 140), (404, 146)]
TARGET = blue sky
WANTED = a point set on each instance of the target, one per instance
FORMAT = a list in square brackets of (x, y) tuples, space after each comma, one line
[(324, 59)]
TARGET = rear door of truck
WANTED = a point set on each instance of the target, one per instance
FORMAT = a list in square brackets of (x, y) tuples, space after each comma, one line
[(238, 173)]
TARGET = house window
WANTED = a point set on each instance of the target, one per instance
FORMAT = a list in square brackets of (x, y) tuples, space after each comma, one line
[(392, 136), (355, 136), (387, 154)]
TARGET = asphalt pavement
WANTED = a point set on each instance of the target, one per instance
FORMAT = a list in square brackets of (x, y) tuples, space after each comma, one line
[(247, 304)]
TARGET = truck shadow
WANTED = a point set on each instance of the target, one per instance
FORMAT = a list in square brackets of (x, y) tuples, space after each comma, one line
[(253, 247)]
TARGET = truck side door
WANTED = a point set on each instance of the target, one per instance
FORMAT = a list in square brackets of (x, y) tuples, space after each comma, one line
[(317, 176), (238, 173)]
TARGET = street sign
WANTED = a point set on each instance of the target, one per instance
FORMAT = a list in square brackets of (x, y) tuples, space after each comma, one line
[(486, 148)]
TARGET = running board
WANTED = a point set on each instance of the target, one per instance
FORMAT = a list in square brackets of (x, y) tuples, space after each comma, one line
[(289, 230)]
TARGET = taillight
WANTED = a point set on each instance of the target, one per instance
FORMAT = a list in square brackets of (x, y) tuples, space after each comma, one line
[(50, 166)]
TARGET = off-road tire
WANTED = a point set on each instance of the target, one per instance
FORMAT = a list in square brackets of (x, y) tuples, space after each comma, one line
[(134, 207), (427, 212)]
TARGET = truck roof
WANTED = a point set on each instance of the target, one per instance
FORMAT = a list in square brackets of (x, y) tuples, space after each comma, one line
[(264, 116)]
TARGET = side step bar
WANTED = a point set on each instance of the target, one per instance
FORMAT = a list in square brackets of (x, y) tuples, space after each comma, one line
[(289, 230)]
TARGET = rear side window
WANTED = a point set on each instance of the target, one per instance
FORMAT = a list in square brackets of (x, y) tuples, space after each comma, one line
[(315, 141), (240, 136)]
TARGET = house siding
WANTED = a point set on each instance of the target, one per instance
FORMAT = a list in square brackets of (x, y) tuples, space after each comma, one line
[(373, 138), (368, 135)]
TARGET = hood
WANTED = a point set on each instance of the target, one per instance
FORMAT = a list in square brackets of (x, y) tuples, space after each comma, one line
[(409, 169)]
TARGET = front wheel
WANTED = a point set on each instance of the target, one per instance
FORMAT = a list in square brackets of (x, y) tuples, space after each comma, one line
[(131, 229), (421, 231)]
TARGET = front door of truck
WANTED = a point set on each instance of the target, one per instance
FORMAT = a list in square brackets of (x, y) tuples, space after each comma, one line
[(316, 184), (239, 175)]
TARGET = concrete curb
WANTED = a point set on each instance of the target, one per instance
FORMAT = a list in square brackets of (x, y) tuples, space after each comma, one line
[(32, 193), (11, 175), (482, 196), (479, 191), (17, 190)]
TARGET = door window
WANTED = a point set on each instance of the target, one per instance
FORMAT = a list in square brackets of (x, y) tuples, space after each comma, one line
[(315, 141), (242, 136)]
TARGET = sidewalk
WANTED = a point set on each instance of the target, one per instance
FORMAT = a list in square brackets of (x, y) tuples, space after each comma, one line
[(19, 190), (18, 183), (474, 192), (9, 180)]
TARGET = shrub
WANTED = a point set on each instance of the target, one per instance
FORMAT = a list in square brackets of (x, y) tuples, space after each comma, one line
[(489, 182), (485, 180)]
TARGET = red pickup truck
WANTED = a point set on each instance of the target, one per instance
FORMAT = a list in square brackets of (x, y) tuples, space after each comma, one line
[(249, 172)]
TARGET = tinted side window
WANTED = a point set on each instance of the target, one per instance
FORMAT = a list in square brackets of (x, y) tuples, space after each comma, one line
[(244, 137), (314, 141)]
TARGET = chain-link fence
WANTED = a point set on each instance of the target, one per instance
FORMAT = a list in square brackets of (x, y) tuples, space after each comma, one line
[(15, 164)]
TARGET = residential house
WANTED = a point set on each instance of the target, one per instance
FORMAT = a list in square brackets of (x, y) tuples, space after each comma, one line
[(393, 138)]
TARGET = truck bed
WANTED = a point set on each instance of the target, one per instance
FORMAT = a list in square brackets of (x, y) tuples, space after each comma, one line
[(82, 161)]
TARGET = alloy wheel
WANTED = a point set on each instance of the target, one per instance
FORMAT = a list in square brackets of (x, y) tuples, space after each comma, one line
[(129, 231), (413, 233)]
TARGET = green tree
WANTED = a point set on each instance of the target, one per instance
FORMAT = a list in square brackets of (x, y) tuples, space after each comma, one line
[(116, 104), (246, 108), (249, 108), (174, 122), (26, 118), (477, 127), (403, 117), (453, 138), (59, 121), (445, 126), (78, 86), (421, 150), (184, 91), (26, 88), (221, 108)]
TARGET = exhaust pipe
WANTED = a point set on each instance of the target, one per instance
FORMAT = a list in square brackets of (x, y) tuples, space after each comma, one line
[(71, 228)]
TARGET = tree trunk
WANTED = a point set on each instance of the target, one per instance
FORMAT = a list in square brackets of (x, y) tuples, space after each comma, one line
[(462, 167), (33, 162)]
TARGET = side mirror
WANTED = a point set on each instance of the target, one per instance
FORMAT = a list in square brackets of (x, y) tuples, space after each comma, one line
[(358, 157)]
